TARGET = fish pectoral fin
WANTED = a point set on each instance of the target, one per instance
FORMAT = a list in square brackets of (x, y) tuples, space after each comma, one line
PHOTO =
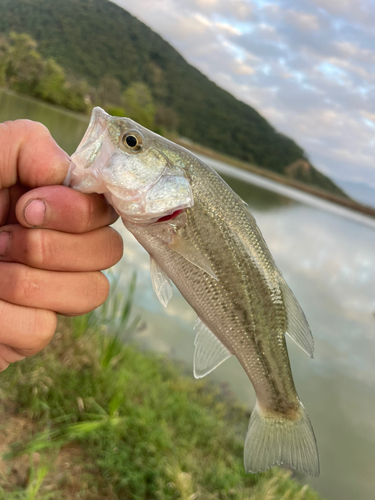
[(209, 351), (160, 282), (297, 326), (190, 253)]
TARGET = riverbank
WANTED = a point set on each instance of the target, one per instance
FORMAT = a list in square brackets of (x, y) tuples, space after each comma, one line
[(92, 418), (281, 179)]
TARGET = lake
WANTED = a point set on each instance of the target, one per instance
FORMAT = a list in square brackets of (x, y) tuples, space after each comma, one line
[(327, 255)]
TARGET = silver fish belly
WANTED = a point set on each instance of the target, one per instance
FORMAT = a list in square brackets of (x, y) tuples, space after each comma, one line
[(210, 247)]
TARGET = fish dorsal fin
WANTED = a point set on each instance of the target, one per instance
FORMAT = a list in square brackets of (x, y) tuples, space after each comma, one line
[(209, 351), (190, 253), (243, 201), (297, 326), (160, 282)]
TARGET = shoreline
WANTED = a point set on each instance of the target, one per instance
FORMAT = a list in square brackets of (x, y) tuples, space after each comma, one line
[(280, 179)]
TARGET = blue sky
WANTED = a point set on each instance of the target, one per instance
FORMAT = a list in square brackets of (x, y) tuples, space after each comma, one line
[(308, 66)]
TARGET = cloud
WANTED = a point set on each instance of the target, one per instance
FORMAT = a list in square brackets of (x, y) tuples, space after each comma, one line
[(302, 20), (306, 65)]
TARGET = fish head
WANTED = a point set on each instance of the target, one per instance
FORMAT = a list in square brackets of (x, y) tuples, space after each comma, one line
[(127, 163)]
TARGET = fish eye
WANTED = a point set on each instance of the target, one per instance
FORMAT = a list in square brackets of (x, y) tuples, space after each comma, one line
[(132, 140)]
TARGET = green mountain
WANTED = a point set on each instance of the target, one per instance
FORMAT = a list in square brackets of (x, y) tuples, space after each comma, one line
[(92, 39)]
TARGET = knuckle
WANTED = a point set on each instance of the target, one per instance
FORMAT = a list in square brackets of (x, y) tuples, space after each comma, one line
[(3, 364), (7, 155), (99, 289), (6, 129), (13, 135), (24, 129), (33, 128), (116, 247), (84, 222), (42, 328), (92, 211), (24, 285), (85, 216), (9, 355), (36, 248)]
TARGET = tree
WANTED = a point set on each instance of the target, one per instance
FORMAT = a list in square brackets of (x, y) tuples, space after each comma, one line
[(52, 84), (109, 92), (24, 64), (139, 105), (24, 70), (77, 95), (4, 49), (166, 119)]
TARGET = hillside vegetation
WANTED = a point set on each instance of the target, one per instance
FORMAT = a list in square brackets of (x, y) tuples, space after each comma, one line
[(112, 51)]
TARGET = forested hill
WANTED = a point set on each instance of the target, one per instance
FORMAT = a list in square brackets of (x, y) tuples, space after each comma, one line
[(92, 39)]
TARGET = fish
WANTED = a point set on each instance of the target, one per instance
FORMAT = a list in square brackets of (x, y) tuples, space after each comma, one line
[(201, 236)]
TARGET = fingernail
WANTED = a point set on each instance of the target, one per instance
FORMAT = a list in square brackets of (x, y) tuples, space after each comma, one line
[(4, 242), (35, 212)]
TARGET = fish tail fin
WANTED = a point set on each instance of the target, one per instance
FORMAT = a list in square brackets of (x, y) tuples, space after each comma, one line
[(276, 440)]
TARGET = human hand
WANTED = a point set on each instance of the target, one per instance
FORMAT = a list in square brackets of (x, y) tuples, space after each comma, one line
[(53, 242)]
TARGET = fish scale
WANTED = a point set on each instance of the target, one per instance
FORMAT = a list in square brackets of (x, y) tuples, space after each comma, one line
[(252, 284), (201, 236)]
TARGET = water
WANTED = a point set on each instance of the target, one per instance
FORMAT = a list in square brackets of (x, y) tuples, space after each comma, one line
[(359, 191), (328, 260)]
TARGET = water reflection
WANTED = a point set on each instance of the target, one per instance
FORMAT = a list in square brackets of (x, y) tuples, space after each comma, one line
[(259, 198), (67, 128)]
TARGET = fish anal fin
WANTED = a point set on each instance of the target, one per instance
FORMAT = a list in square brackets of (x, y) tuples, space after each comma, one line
[(190, 253), (275, 441), (297, 326), (160, 282), (209, 351)]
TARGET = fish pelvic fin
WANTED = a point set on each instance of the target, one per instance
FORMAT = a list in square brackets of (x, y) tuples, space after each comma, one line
[(160, 283), (278, 440), (209, 351), (297, 326)]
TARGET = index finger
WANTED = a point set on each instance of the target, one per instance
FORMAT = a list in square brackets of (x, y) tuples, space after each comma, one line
[(29, 154)]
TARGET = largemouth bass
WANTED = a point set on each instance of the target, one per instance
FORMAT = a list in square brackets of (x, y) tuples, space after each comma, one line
[(201, 236)]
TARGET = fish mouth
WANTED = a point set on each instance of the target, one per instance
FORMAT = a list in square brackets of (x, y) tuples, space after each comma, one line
[(171, 216), (97, 125)]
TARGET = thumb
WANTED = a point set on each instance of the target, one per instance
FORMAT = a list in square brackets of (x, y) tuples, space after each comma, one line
[(29, 155)]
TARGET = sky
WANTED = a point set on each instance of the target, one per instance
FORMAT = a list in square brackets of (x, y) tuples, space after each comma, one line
[(308, 66)]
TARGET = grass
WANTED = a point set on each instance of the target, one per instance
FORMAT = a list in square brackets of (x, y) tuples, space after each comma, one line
[(93, 418)]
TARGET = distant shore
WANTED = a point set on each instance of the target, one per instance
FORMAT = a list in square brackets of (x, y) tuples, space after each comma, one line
[(346, 202)]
